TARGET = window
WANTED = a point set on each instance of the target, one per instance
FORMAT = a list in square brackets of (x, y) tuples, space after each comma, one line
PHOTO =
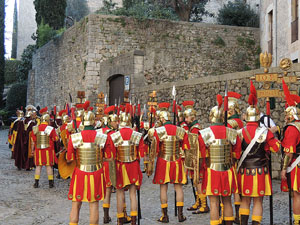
[(294, 25), (295, 61)]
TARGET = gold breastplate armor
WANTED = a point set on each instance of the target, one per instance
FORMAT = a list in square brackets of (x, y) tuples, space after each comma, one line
[(170, 145), (42, 140), (192, 153), (126, 150), (219, 149), (89, 157)]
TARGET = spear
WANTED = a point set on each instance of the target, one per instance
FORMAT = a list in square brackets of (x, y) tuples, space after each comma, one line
[(174, 122), (226, 104)]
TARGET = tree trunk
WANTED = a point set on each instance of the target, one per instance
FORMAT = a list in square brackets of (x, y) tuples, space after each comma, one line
[(2, 49)]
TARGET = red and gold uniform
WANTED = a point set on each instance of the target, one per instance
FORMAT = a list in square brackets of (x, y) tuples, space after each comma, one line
[(167, 141), (44, 137), (169, 167), (130, 147), (88, 183), (253, 176), (291, 148)]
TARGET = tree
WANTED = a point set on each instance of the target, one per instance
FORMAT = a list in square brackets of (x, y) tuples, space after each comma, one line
[(15, 33), (16, 96), (238, 13), (26, 62), (51, 12), (2, 49), (185, 8), (77, 9)]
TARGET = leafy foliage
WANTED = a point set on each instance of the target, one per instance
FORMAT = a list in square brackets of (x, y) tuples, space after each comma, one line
[(238, 13), (2, 48), (26, 62), (45, 33), (77, 9), (140, 10), (51, 12), (11, 71), (198, 11), (16, 96), (15, 33)]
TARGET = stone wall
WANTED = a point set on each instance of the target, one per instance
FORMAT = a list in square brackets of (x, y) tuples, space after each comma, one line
[(169, 51)]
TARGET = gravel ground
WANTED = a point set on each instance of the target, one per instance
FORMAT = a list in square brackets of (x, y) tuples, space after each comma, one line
[(21, 204)]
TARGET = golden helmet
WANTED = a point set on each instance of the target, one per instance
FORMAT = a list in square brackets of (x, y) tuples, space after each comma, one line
[(252, 112), (61, 114), (110, 115), (79, 110), (216, 114), (164, 113), (233, 104), (20, 113), (291, 112), (125, 117), (88, 118), (189, 109), (66, 118), (29, 110), (45, 117)]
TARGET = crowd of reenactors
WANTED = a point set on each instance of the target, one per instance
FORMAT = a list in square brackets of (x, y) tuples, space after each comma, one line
[(104, 152)]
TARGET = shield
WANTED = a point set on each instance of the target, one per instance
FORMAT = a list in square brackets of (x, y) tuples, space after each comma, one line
[(65, 169)]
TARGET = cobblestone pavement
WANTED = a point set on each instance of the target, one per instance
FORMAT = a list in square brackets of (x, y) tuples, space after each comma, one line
[(21, 204)]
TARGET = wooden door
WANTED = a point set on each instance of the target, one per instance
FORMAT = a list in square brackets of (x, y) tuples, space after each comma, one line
[(116, 89)]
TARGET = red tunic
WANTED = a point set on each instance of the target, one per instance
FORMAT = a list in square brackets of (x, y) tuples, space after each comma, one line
[(170, 171), (184, 125), (289, 143), (130, 172), (216, 183), (256, 182), (86, 186), (110, 152), (45, 157)]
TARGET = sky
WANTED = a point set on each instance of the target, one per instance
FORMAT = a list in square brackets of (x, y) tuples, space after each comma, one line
[(9, 11)]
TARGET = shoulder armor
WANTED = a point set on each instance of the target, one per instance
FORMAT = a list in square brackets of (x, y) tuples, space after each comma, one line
[(77, 140), (35, 129), (161, 132), (101, 139), (262, 138), (233, 123), (197, 125), (207, 135), (180, 132), (135, 138), (117, 138), (81, 127), (99, 131), (48, 130), (231, 135), (151, 132), (70, 126)]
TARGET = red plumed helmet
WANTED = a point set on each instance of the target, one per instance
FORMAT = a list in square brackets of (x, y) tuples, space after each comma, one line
[(109, 110), (61, 112), (232, 94), (127, 108), (164, 105), (219, 100), (91, 108), (188, 103), (122, 108), (252, 89), (44, 110), (79, 106), (86, 105)]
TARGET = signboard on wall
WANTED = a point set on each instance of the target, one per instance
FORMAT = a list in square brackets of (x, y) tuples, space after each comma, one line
[(127, 83)]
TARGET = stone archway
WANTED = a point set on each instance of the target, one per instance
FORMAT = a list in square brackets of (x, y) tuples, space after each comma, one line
[(116, 88)]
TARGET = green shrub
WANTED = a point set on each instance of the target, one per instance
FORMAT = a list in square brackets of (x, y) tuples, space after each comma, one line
[(16, 97), (11, 71), (5, 116), (238, 13), (26, 62), (45, 33)]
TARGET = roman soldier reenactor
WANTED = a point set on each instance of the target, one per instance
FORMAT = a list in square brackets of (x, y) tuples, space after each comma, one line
[(130, 148), (236, 123), (192, 157), (220, 176), (43, 140), (71, 129), (87, 184), (181, 121), (29, 123), (291, 147), (166, 143), (13, 130), (253, 171), (109, 126)]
